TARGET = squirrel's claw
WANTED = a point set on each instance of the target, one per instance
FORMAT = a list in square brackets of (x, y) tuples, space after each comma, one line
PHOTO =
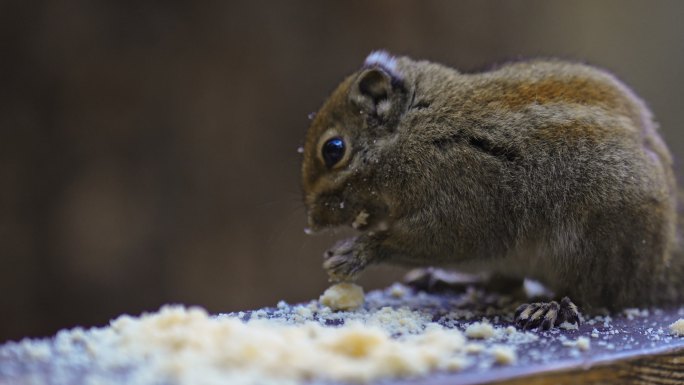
[(546, 315)]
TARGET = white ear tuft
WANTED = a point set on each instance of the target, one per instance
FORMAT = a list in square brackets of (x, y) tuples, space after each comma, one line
[(382, 59)]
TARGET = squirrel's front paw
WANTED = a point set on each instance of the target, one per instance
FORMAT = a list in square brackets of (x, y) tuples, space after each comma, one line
[(545, 315), (344, 260)]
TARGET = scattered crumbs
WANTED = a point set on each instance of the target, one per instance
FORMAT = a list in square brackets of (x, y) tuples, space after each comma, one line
[(583, 343), (395, 333), (361, 219), (568, 326), (455, 364), (632, 313), (504, 355), (181, 345), (399, 321), (37, 349), (474, 348), (343, 296), (397, 290), (677, 328), (480, 330), (521, 337), (606, 321), (261, 313), (304, 312)]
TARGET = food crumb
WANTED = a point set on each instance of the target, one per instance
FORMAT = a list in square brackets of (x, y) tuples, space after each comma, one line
[(397, 290), (568, 326), (38, 350), (583, 344), (480, 330), (474, 348), (632, 313), (343, 296), (677, 328), (361, 219), (504, 355)]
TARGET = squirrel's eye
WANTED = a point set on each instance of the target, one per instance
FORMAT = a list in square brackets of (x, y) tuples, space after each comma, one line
[(333, 151)]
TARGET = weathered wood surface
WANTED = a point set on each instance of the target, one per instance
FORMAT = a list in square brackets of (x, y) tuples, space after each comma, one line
[(632, 347), (628, 348), (645, 368)]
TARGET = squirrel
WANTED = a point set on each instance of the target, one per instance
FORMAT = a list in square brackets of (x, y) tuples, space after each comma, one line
[(545, 169)]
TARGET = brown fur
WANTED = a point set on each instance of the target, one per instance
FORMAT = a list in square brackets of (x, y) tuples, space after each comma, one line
[(545, 169)]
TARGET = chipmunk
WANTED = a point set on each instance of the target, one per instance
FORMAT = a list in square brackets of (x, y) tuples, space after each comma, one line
[(543, 169)]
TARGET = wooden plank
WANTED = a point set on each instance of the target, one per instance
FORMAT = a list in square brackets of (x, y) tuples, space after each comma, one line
[(664, 368)]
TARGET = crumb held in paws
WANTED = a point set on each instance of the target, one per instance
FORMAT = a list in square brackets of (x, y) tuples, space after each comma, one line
[(343, 296)]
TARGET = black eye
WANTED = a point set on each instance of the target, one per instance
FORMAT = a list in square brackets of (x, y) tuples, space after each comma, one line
[(333, 151)]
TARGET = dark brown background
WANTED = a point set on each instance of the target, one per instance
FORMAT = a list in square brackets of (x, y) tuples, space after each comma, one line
[(147, 149)]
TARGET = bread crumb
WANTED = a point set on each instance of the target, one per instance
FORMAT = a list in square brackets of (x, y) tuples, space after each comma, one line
[(480, 330), (568, 326), (677, 328), (37, 350), (474, 348), (504, 355), (187, 346), (397, 290), (361, 219), (343, 296), (632, 313), (583, 344)]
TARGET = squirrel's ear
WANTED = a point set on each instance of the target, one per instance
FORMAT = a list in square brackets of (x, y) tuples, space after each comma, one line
[(377, 92)]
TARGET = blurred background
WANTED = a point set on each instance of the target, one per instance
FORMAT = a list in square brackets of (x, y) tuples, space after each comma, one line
[(148, 149)]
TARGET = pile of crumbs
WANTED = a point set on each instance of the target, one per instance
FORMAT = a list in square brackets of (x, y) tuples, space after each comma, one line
[(396, 333)]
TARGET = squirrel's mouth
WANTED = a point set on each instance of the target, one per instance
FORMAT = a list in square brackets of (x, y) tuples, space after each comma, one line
[(335, 210), (364, 221)]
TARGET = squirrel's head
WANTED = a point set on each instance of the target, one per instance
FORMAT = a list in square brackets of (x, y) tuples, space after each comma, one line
[(343, 146)]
